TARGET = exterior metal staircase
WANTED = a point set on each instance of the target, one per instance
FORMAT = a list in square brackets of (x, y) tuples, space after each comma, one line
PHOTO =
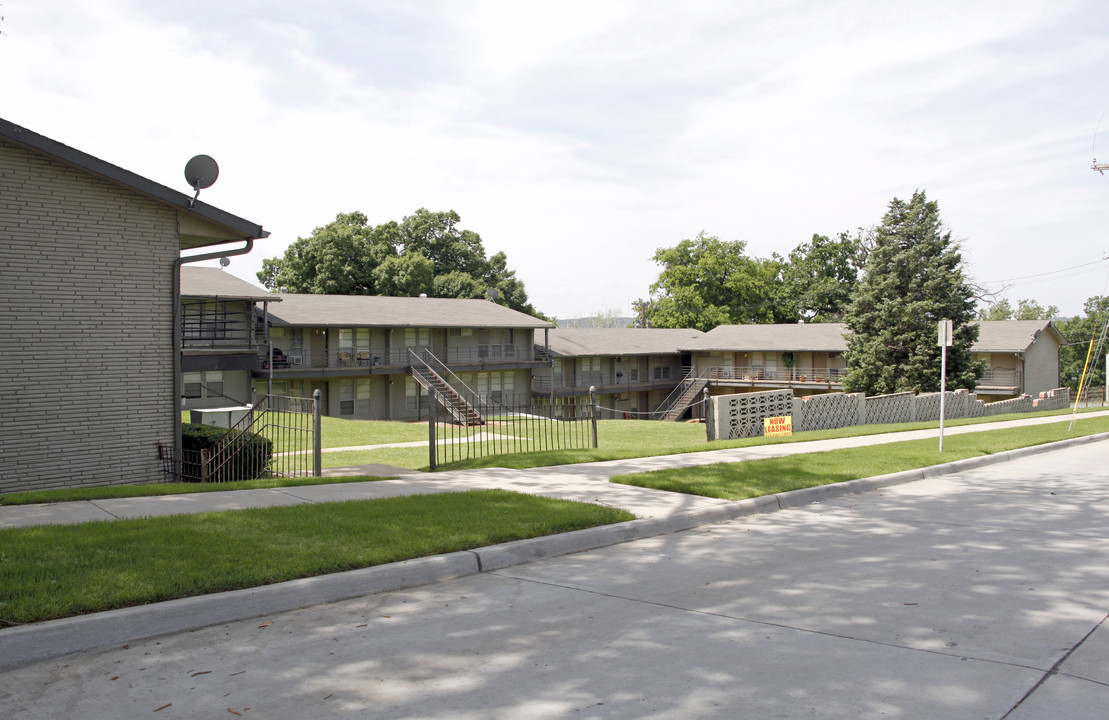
[(448, 398), (684, 395)]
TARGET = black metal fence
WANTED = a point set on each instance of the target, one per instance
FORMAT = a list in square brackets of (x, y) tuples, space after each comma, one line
[(508, 429), (279, 437)]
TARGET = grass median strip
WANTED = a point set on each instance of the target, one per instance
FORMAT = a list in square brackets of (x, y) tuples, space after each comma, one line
[(755, 478), (49, 572)]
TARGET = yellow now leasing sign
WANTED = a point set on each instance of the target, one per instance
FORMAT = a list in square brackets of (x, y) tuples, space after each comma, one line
[(772, 426)]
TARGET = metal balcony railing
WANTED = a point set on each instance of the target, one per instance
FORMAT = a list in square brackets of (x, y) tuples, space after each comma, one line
[(1000, 378)]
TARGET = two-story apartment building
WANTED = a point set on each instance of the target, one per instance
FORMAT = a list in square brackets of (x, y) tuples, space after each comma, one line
[(222, 336), (1021, 357), (745, 358), (89, 261), (633, 370), (359, 351)]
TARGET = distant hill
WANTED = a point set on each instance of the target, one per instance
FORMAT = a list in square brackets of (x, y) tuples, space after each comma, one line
[(597, 321)]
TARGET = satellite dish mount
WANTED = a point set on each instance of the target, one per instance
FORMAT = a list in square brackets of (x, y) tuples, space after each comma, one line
[(200, 172)]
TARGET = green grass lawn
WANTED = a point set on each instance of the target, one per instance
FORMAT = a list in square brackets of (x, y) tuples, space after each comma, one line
[(621, 439), (57, 571), (754, 478), (618, 439)]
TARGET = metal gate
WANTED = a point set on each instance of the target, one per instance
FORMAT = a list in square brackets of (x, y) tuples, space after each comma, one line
[(507, 429), (280, 437)]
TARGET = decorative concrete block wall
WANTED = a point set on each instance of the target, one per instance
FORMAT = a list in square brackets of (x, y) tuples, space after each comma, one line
[(975, 407), (833, 410), (896, 408), (1057, 399), (741, 415), (928, 406), (1013, 405)]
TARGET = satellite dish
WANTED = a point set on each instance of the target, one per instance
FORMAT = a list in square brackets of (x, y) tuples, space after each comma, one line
[(492, 293), (200, 172), (224, 262)]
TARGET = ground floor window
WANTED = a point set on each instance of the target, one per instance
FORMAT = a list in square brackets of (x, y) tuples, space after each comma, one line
[(354, 396), (200, 385)]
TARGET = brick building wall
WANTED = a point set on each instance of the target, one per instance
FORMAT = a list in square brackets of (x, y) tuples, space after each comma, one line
[(86, 351)]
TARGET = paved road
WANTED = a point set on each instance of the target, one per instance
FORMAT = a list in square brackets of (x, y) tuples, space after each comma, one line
[(977, 595)]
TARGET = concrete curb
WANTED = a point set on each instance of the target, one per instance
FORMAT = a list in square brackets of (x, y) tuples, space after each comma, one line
[(98, 631)]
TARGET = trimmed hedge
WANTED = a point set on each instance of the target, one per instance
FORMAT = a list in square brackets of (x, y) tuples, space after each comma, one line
[(250, 459)]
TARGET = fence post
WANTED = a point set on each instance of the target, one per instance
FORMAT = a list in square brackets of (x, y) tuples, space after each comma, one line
[(432, 416), (710, 421), (593, 412), (317, 427)]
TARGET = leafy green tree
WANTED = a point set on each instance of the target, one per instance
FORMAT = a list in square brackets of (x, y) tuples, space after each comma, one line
[(1079, 331), (914, 277), (820, 276), (1026, 310), (409, 275), (707, 282), (1032, 310), (1000, 310), (336, 259), (425, 252)]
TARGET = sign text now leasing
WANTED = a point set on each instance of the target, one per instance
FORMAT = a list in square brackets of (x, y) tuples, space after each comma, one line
[(772, 426)]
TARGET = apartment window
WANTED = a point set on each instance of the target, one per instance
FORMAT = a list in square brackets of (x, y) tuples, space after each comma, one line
[(346, 397), (193, 387), (417, 337), (202, 385)]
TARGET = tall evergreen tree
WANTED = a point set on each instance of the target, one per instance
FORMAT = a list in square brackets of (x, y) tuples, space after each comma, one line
[(914, 277)]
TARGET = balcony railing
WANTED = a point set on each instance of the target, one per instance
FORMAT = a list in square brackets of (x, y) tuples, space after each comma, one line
[(776, 375), (206, 327), (352, 357), (582, 381), (999, 378)]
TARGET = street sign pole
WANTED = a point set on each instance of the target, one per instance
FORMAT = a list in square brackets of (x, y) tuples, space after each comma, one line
[(944, 332)]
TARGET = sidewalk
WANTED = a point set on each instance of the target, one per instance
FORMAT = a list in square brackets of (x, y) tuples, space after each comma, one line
[(586, 482)]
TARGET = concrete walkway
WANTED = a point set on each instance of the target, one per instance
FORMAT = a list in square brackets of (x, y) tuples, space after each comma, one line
[(976, 594)]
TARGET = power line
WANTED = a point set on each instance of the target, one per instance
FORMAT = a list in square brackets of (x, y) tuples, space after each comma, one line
[(1050, 272)]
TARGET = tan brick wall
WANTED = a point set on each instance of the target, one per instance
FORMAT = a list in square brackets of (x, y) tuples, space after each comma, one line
[(86, 353)]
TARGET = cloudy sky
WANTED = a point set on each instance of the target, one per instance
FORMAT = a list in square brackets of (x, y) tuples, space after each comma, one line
[(579, 137)]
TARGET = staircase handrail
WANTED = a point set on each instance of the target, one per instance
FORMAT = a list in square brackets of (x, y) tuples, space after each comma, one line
[(457, 405), (684, 383), (416, 361)]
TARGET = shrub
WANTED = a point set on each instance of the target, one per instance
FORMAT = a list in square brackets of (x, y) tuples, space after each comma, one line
[(246, 457)]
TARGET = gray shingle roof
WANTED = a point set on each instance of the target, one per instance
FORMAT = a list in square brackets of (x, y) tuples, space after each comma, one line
[(214, 282), (1012, 335), (812, 337), (993, 336), (585, 342), (306, 310)]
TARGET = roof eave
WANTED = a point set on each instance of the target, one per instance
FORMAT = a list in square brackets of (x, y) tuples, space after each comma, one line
[(241, 229)]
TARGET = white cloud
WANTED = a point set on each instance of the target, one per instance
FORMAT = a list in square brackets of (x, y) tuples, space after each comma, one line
[(580, 137)]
